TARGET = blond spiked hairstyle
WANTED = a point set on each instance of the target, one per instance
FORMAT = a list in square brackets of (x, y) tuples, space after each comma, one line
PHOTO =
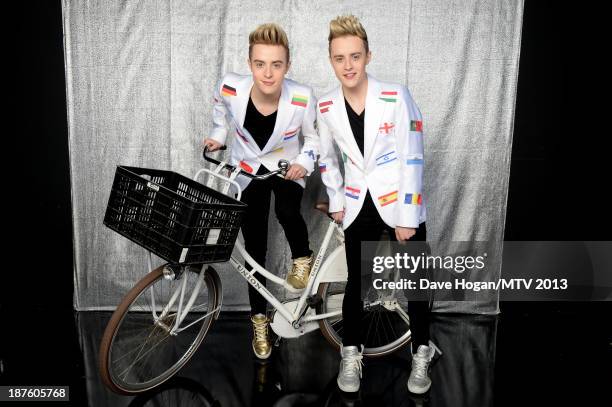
[(269, 34), (342, 26)]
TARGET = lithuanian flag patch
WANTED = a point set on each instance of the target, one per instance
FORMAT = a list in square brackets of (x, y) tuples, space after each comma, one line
[(299, 100)]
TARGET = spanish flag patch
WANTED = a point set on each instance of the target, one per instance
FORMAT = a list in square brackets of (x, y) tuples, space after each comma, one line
[(387, 198)]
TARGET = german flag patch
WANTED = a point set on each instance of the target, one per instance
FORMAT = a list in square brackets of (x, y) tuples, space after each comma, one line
[(227, 90)]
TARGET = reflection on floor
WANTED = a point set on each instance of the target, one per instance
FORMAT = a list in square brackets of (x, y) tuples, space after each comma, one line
[(302, 371), (532, 354)]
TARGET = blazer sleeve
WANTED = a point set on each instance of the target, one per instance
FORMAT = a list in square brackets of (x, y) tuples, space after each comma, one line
[(328, 165), (309, 152), (220, 117), (409, 139)]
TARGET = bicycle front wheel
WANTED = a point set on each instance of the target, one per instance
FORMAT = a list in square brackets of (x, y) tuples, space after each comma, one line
[(142, 345), (385, 324)]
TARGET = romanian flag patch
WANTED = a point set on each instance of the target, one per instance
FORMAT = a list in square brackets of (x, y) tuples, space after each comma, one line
[(387, 198), (413, 199), (227, 90), (299, 100), (324, 106), (352, 192), (416, 125), (388, 96), (288, 135)]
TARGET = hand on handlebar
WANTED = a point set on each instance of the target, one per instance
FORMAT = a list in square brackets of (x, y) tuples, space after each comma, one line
[(295, 171), (212, 145)]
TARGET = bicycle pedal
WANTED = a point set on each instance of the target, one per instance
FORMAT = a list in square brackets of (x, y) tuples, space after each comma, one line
[(314, 300)]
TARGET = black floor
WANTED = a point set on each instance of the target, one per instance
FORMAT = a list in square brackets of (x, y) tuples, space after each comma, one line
[(532, 354)]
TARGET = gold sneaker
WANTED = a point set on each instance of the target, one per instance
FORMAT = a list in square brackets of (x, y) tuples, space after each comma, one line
[(298, 276), (261, 343)]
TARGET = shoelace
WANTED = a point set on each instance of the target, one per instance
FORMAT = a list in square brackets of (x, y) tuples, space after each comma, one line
[(301, 267), (351, 364), (420, 366), (260, 330)]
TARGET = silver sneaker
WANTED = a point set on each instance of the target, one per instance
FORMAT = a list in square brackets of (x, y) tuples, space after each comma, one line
[(419, 381), (349, 377)]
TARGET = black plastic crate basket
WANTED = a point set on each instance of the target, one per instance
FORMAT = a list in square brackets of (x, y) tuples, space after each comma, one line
[(177, 218)]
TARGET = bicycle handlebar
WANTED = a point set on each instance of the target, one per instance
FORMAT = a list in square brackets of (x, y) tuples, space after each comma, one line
[(283, 166)]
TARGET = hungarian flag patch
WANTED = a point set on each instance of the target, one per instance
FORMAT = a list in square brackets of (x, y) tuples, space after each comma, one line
[(388, 96)]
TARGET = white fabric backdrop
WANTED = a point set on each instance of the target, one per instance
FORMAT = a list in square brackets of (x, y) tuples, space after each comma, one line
[(140, 77)]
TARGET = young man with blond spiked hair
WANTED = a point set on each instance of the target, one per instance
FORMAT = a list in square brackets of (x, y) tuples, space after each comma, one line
[(378, 128), (273, 118)]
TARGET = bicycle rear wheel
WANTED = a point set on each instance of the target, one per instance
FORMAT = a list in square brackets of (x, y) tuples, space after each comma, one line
[(139, 350), (385, 323)]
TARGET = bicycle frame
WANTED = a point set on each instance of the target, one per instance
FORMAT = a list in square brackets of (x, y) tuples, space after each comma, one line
[(295, 317)]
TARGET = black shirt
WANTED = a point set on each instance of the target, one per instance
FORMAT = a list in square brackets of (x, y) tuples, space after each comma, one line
[(261, 127), (356, 121)]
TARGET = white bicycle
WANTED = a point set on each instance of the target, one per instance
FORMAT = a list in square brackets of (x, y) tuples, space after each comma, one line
[(164, 318)]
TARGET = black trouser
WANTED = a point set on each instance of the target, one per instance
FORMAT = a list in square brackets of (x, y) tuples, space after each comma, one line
[(287, 202), (368, 226)]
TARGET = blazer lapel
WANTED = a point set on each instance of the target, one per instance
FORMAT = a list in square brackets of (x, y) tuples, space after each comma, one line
[(283, 118), (346, 130), (239, 108)]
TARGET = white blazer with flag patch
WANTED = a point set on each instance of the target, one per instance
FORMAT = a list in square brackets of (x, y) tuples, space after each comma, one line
[(391, 167), (294, 137)]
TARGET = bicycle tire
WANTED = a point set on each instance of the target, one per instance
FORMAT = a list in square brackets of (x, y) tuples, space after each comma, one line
[(212, 285), (332, 336)]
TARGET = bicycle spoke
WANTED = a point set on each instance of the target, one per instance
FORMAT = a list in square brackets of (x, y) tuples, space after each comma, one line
[(143, 352), (139, 357)]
